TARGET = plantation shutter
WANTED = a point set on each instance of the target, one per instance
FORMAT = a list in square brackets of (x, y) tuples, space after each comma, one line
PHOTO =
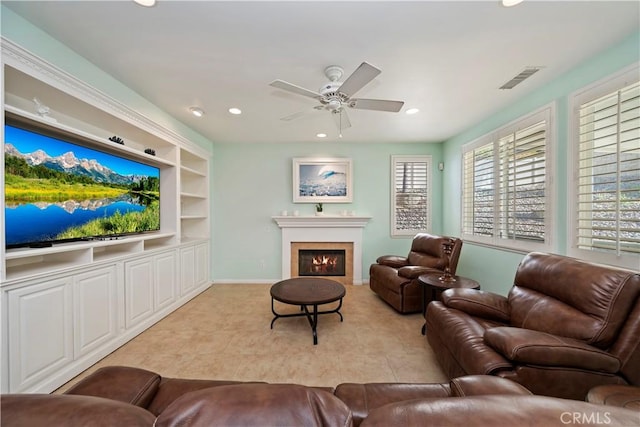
[(478, 191), (410, 198), (522, 183), (505, 179), (608, 190)]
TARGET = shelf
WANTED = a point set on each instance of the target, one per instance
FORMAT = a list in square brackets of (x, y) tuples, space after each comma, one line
[(192, 171), (100, 143), (193, 164), (44, 262), (26, 262), (193, 196), (110, 250)]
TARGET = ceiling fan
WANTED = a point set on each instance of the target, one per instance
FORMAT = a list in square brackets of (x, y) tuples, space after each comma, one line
[(334, 96)]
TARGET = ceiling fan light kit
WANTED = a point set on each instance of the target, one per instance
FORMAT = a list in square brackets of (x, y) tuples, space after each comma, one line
[(335, 96)]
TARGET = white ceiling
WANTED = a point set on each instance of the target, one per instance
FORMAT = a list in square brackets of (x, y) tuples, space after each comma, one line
[(446, 58)]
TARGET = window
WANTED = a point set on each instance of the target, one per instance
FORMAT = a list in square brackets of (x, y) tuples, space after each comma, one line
[(506, 177), (605, 208), (410, 195)]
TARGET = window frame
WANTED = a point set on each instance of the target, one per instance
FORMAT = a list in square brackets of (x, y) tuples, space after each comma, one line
[(600, 88), (548, 114), (417, 158)]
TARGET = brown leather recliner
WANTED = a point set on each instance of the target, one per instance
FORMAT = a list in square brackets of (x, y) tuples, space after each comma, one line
[(565, 327), (395, 278)]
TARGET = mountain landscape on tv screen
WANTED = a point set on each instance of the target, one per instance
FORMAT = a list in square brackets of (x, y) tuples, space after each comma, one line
[(66, 196), (69, 163)]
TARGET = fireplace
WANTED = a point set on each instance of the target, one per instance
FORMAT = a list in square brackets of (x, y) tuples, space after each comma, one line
[(323, 232), (342, 273), (321, 262)]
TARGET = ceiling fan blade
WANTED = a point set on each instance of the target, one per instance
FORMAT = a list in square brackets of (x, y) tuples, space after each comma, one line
[(300, 114), (376, 104), (341, 119), (280, 84), (359, 78)]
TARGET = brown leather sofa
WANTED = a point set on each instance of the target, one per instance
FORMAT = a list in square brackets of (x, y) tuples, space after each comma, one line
[(118, 395), (133, 397), (565, 327), (395, 278)]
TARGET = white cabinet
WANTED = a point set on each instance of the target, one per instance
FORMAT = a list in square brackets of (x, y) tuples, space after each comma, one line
[(138, 286), (166, 276), (40, 331), (201, 264), (150, 286), (95, 308), (187, 270)]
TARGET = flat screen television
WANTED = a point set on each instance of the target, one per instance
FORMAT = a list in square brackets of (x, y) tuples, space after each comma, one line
[(57, 190)]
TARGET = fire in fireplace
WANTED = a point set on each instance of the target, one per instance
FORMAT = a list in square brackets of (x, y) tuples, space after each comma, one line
[(321, 262)]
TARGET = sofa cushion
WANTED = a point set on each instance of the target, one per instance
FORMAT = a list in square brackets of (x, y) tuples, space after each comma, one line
[(34, 410), (257, 404), (545, 298), (539, 348)]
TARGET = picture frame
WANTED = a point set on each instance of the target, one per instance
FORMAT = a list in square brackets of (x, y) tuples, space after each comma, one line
[(322, 180)]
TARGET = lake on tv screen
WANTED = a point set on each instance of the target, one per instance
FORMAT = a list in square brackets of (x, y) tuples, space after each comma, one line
[(55, 190)]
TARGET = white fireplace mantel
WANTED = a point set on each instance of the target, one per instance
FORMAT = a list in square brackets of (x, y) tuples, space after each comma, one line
[(322, 228)]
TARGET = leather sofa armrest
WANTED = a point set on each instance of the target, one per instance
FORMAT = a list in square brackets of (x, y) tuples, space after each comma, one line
[(478, 303), (122, 383), (527, 346), (414, 271), (393, 261), (480, 385), (28, 409)]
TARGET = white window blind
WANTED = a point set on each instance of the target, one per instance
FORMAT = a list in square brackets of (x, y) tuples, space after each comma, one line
[(608, 173), (505, 185), (411, 196)]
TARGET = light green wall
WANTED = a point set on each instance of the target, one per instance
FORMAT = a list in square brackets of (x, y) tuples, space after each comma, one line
[(252, 183), (494, 268)]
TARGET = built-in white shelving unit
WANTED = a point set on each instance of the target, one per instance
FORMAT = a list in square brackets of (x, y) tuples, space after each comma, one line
[(90, 297)]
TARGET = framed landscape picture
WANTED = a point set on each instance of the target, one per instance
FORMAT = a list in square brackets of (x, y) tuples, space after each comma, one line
[(322, 180)]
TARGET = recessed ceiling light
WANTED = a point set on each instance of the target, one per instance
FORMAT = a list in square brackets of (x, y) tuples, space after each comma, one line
[(509, 3), (321, 135), (235, 110), (145, 3), (411, 111), (198, 112)]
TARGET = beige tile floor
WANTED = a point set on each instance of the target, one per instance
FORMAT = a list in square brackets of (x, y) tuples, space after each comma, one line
[(224, 334)]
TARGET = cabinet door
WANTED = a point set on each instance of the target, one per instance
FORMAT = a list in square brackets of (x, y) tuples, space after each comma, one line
[(202, 264), (187, 270), (96, 310), (41, 332), (166, 279), (138, 288)]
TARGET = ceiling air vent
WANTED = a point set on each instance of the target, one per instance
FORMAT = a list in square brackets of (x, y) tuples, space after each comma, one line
[(528, 72)]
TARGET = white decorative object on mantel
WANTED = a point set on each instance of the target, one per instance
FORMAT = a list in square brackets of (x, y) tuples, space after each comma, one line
[(327, 228)]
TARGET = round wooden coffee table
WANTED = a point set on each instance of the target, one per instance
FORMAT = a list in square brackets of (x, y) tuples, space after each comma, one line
[(436, 286), (305, 292)]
